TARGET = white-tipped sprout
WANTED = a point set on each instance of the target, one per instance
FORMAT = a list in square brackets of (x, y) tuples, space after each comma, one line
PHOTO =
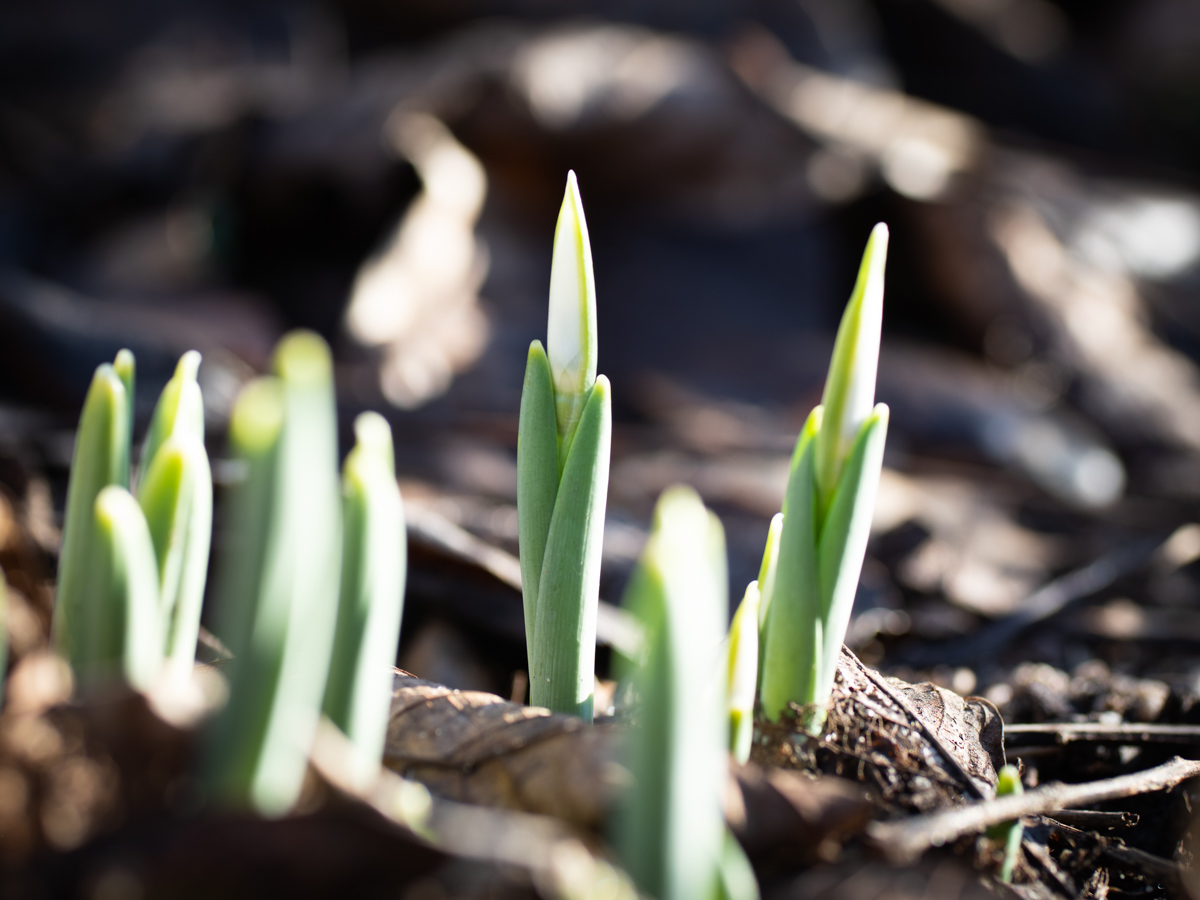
[(827, 512), (742, 665), (571, 329), (563, 439), (849, 396)]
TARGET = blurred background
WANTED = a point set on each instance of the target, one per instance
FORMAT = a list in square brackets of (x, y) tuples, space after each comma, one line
[(210, 174)]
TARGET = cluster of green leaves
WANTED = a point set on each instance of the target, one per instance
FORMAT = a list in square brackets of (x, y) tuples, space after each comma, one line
[(310, 589), (563, 444), (812, 563), (291, 545), (132, 570)]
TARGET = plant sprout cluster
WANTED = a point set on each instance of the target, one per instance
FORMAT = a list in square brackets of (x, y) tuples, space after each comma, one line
[(309, 592), (697, 688), (309, 576)]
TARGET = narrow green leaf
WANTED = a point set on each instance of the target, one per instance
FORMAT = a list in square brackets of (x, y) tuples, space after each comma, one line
[(571, 329), (260, 746), (850, 386), (737, 875), (537, 477), (766, 586), (176, 496), (671, 826), (843, 541), (743, 672), (359, 691), (123, 591), (562, 661), (126, 370), (794, 639), (101, 450), (769, 566), (180, 410)]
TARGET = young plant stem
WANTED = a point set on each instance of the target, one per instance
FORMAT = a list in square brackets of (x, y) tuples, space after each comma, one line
[(101, 458), (280, 579), (358, 693)]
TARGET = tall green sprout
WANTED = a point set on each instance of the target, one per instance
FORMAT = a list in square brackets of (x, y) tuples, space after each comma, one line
[(827, 511), (358, 694), (279, 579), (562, 478), (742, 667), (671, 833), (176, 495), (100, 458), (102, 623)]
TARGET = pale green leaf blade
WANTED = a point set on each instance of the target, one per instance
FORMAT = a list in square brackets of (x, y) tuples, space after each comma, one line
[(537, 477), (124, 594), (100, 452), (742, 667), (180, 409), (843, 541), (792, 646), (671, 826), (358, 693), (562, 661), (850, 385), (126, 370)]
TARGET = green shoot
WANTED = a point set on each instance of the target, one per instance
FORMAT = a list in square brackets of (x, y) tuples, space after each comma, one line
[(179, 411), (175, 492), (176, 497), (671, 827), (101, 458), (743, 672), (279, 579), (122, 596), (827, 512), (1008, 833), (562, 478), (358, 694)]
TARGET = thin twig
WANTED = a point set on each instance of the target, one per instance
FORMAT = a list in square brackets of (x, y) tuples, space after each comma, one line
[(1093, 818), (909, 838)]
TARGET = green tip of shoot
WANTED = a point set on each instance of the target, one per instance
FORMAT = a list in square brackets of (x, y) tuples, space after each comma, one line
[(302, 358), (850, 386), (188, 367), (374, 436), (257, 416)]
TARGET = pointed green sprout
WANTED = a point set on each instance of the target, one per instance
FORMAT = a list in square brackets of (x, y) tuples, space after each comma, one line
[(176, 509), (563, 444), (358, 694), (279, 580), (176, 495), (766, 586), (827, 512), (1008, 833), (670, 828), (101, 458), (179, 411), (743, 672), (126, 370), (122, 594)]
